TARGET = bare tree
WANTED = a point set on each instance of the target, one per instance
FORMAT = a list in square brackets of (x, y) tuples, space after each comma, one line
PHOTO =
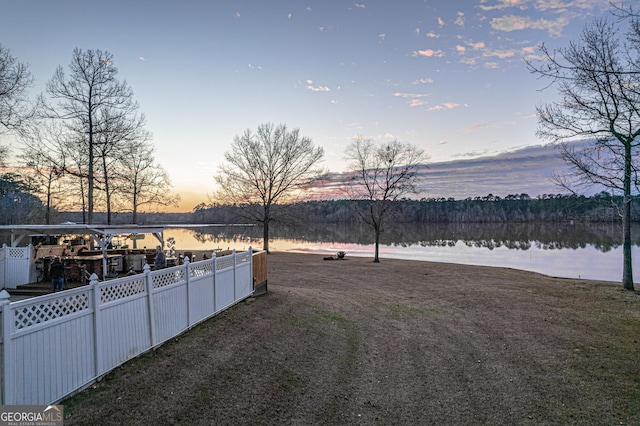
[(92, 86), (379, 176), (15, 79), (49, 142), (143, 181), (116, 134), (45, 179), (598, 80), (265, 170), (4, 154)]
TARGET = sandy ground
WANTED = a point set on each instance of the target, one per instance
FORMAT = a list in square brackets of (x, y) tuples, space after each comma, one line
[(399, 342)]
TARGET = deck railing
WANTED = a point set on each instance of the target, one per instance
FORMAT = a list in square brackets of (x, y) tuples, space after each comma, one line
[(55, 345)]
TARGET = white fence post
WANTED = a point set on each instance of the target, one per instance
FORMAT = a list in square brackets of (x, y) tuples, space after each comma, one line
[(215, 259), (3, 265), (187, 279), (97, 335), (149, 287), (235, 276), (8, 374), (251, 277)]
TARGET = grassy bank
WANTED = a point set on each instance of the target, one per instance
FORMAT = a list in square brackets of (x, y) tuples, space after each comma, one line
[(400, 342)]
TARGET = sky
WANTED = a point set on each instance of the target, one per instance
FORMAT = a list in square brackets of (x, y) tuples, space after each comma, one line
[(447, 76)]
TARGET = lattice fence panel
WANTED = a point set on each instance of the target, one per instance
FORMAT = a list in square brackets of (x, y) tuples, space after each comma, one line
[(18, 252), (224, 262), (202, 270), (117, 291), (169, 277), (37, 313)]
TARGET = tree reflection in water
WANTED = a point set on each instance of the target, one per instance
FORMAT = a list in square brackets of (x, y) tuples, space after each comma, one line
[(442, 242)]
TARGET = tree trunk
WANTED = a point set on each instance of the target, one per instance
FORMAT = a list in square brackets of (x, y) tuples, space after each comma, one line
[(134, 208), (48, 211), (90, 171), (265, 235), (107, 189), (627, 268), (376, 258)]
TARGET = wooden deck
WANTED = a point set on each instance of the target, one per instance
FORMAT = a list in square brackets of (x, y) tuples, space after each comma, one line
[(38, 289)]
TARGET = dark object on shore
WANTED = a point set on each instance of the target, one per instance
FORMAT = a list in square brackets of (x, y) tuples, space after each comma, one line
[(339, 256)]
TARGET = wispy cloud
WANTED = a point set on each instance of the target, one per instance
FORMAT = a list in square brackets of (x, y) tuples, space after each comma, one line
[(504, 4), (473, 53), (444, 106), (480, 126), (313, 88), (410, 95), (501, 54), (459, 20), (431, 34), (493, 124), (509, 23), (359, 5), (423, 81), (472, 154), (429, 53), (415, 99)]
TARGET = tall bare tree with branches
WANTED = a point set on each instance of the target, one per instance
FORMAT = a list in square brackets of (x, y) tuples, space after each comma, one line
[(117, 134), (45, 179), (143, 181), (598, 81), (80, 100), (265, 170), (15, 79), (380, 175)]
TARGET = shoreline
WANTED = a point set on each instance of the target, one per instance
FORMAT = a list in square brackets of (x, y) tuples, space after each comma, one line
[(200, 253)]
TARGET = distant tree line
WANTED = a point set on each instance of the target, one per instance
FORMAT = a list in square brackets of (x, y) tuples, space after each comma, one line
[(19, 205), (601, 207)]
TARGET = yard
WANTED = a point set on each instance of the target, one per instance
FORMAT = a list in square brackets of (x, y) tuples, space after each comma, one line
[(400, 342)]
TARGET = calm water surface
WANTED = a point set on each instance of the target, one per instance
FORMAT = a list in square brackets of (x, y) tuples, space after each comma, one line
[(561, 250)]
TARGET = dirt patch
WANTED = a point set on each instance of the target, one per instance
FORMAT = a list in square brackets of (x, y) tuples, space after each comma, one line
[(399, 342)]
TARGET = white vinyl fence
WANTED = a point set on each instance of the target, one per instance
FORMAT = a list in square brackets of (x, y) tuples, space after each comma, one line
[(56, 344), (16, 266)]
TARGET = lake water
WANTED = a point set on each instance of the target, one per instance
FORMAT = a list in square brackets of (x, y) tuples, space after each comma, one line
[(560, 250)]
